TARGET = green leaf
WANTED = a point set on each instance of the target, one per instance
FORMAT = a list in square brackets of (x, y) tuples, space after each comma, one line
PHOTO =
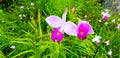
[(22, 53)]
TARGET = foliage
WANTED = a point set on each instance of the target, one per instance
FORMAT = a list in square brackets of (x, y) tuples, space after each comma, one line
[(31, 35)]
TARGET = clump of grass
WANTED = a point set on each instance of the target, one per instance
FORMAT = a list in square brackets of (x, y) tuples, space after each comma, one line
[(31, 34)]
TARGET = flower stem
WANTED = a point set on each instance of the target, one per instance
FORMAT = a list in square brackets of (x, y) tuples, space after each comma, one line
[(97, 50)]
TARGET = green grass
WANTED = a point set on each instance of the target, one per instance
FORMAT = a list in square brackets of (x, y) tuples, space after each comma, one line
[(32, 35)]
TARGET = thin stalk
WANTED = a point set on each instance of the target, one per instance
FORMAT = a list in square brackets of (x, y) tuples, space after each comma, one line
[(97, 50)]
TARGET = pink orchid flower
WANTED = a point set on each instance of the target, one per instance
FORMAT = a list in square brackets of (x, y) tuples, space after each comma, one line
[(61, 26), (84, 28), (107, 42), (106, 15), (110, 53), (96, 39)]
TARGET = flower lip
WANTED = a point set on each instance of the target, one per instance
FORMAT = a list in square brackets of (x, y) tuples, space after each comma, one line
[(84, 28), (82, 32), (106, 15), (57, 35)]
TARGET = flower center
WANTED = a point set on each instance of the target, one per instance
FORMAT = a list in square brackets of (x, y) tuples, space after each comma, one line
[(81, 31), (58, 32)]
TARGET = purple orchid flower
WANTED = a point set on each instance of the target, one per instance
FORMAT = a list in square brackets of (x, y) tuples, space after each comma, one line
[(61, 26), (106, 15), (84, 28)]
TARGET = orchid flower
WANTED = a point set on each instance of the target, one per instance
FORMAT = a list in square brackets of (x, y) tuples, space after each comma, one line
[(106, 23), (84, 28), (21, 7), (32, 4), (118, 26), (61, 26), (107, 43), (100, 21), (110, 53), (96, 39), (12, 47), (113, 21), (106, 15)]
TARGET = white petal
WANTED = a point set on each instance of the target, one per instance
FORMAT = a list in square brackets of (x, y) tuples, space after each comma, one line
[(94, 39), (54, 21), (70, 28), (98, 37), (64, 15)]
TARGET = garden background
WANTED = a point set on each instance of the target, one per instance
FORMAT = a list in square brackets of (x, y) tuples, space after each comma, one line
[(24, 32)]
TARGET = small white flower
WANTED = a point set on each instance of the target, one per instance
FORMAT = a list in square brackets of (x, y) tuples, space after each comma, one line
[(99, 20), (107, 43), (85, 16), (106, 15), (106, 23), (20, 15), (106, 10), (24, 15), (12, 47), (96, 39), (118, 26), (32, 4), (110, 53), (22, 7), (113, 21)]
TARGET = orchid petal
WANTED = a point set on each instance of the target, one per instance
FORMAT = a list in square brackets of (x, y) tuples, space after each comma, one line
[(64, 15), (87, 25), (57, 35), (105, 15), (60, 37), (54, 34), (70, 28), (54, 21), (82, 32)]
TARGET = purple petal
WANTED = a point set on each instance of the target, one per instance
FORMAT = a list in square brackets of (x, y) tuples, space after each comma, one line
[(60, 37), (105, 16), (57, 35), (54, 21), (54, 34), (87, 25), (64, 15), (82, 32), (70, 28)]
